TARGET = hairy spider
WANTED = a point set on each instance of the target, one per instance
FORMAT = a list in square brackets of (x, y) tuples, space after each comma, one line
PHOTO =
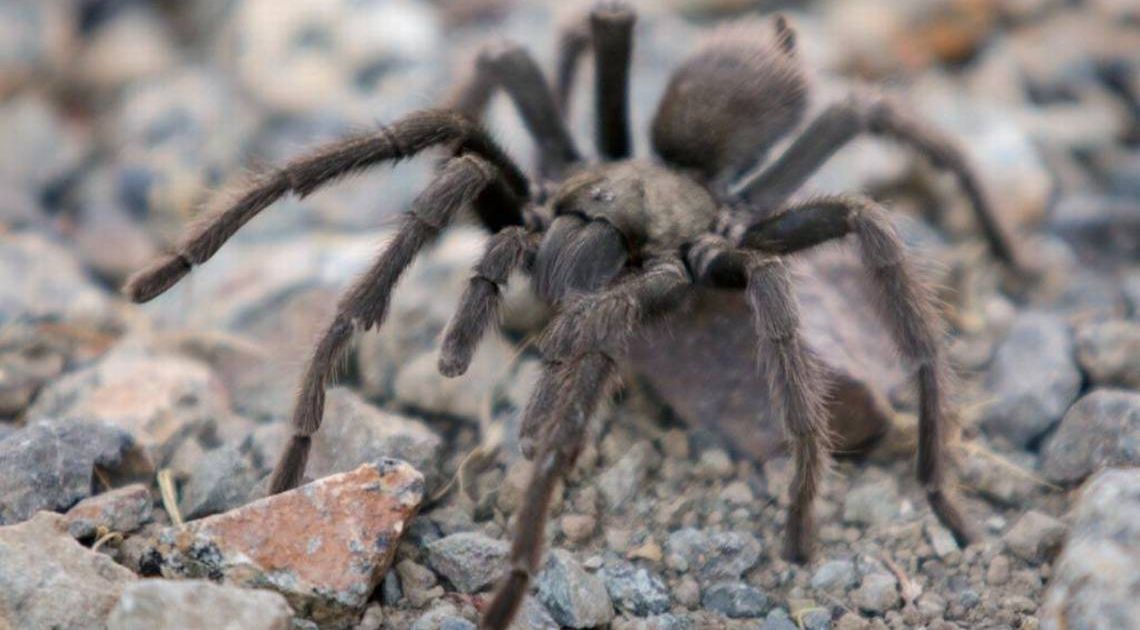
[(617, 244)]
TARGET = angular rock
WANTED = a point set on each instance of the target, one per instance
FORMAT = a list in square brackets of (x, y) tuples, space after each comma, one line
[(355, 432), (878, 593), (1110, 353), (834, 576), (1033, 379), (222, 479), (121, 510), (620, 482), (324, 546), (635, 590), (171, 604), (1035, 537), (48, 580), (419, 384), (1101, 430), (778, 619), (990, 477), (533, 616), (469, 560), (874, 502), (702, 361), (1095, 582), (714, 556), (574, 597), (161, 400), (51, 465), (735, 600)]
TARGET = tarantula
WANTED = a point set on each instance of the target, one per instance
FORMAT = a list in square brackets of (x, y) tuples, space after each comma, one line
[(617, 244)]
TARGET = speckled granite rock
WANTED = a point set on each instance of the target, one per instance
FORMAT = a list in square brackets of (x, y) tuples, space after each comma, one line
[(324, 546)]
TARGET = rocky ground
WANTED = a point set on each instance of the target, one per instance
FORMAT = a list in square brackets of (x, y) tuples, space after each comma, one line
[(134, 441)]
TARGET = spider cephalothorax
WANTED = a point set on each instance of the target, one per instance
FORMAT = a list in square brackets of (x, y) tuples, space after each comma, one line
[(616, 244)]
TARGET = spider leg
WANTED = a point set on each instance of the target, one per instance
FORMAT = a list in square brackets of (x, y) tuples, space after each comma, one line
[(511, 249), (573, 42), (905, 304), (609, 32), (365, 305), (611, 28), (512, 67), (794, 375), (839, 124), (403, 139), (580, 372)]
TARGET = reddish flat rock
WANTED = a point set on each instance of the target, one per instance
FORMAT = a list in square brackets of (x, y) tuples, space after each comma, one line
[(324, 546)]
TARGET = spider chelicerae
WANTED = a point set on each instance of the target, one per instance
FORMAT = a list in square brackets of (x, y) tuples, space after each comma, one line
[(617, 244)]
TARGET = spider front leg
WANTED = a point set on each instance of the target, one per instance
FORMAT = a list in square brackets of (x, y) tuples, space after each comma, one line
[(794, 375), (905, 303), (304, 175), (507, 251), (580, 372), (459, 183), (841, 123), (609, 32)]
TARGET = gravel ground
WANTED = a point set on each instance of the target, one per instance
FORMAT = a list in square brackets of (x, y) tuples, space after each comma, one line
[(119, 422)]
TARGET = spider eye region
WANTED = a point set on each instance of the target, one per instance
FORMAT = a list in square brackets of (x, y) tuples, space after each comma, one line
[(653, 207)]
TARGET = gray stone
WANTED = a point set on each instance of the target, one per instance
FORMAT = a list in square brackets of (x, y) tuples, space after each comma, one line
[(878, 593), (817, 619), (29, 358), (620, 482), (1110, 353), (941, 540), (181, 399), (635, 590), (418, 583), (442, 617), (470, 561), (1035, 537), (874, 502), (121, 510), (1033, 379), (991, 477), (50, 465), (574, 597), (355, 432), (1095, 582), (714, 556), (533, 616), (168, 605), (223, 479), (40, 279), (1101, 430), (735, 600), (778, 619), (834, 576), (48, 580)]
